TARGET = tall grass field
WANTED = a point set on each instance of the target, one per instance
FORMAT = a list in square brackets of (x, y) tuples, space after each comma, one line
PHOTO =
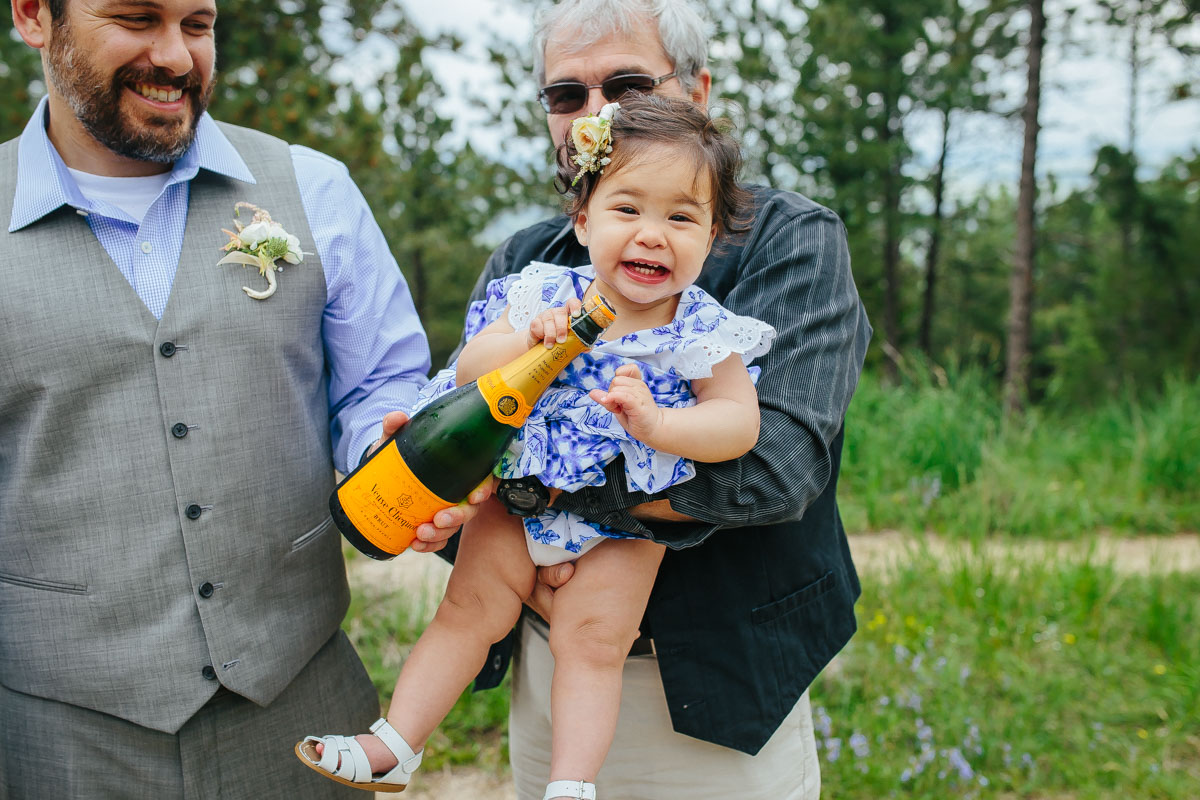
[(935, 454), (1016, 680)]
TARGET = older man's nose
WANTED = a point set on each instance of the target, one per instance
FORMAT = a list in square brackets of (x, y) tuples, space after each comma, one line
[(595, 101)]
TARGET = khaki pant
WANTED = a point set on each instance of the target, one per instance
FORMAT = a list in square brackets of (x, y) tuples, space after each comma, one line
[(230, 749), (648, 759)]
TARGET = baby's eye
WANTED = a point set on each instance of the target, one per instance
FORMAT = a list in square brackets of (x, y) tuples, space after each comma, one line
[(626, 210), (680, 218)]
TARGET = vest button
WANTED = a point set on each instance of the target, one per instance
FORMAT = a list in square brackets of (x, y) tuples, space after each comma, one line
[(209, 673), (206, 590), (167, 349), (179, 430), (193, 511)]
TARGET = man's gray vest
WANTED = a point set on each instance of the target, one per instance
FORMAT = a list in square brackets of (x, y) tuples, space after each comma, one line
[(163, 484)]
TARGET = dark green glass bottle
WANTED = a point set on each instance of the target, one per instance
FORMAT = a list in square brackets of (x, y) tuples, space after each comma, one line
[(450, 446)]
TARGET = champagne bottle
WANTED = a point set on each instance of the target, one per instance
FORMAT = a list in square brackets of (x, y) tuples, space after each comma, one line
[(450, 446)]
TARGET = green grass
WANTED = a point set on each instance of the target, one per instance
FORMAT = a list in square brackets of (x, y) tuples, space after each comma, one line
[(1016, 680), (984, 679), (383, 628), (935, 454)]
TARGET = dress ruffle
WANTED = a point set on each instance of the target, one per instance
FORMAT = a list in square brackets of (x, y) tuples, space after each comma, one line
[(568, 437)]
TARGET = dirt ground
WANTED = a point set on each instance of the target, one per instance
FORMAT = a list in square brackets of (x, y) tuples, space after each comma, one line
[(1133, 555), (459, 783), (424, 577)]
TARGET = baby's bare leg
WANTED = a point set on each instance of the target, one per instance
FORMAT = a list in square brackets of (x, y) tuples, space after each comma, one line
[(594, 620), (492, 576)]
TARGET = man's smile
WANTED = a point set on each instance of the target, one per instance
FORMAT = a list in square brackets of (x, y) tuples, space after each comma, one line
[(159, 95)]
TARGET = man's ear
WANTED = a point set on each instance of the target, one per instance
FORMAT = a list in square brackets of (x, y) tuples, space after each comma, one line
[(700, 92), (581, 227), (31, 18)]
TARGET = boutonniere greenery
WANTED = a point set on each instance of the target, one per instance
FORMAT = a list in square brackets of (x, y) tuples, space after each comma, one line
[(260, 244)]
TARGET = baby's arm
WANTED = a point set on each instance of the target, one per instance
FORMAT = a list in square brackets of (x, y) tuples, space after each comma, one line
[(499, 343), (723, 424)]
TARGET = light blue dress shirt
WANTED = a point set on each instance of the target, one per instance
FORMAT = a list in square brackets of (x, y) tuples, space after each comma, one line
[(376, 354)]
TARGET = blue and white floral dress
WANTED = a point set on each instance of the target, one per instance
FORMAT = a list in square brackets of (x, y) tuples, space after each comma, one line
[(568, 437)]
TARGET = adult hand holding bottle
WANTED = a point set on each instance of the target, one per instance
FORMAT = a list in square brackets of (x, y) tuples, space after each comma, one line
[(432, 537), (432, 464)]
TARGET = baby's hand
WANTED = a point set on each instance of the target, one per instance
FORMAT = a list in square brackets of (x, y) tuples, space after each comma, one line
[(629, 399), (552, 324)]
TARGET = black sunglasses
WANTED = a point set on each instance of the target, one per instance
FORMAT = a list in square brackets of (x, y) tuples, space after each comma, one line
[(570, 96)]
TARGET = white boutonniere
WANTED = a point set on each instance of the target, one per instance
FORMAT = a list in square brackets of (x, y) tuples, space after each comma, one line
[(260, 244), (592, 137)]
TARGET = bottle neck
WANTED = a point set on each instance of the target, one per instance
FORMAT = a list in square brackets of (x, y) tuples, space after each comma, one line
[(511, 390)]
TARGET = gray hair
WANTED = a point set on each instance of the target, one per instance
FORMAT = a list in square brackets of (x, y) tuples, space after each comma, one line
[(681, 29)]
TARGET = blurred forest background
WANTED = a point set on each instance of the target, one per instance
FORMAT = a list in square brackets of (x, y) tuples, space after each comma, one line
[(821, 92), (1034, 367), (1015, 322), (1033, 382)]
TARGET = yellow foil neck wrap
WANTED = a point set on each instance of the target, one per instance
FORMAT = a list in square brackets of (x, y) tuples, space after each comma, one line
[(506, 403)]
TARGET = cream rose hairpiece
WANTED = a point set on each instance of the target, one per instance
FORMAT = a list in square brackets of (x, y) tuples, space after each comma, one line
[(592, 137)]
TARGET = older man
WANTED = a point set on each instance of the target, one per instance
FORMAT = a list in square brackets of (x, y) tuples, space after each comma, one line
[(756, 594), (171, 584)]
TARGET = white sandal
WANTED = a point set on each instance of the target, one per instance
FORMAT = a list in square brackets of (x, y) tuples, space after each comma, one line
[(345, 761), (582, 790)]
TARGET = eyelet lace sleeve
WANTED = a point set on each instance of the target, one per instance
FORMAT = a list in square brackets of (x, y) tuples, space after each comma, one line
[(538, 287), (702, 334)]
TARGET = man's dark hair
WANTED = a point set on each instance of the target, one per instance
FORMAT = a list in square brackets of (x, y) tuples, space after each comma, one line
[(57, 9), (649, 120)]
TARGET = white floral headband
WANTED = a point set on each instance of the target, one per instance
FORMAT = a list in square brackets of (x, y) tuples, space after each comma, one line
[(592, 137)]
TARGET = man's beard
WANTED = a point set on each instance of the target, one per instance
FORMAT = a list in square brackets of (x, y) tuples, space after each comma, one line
[(97, 103)]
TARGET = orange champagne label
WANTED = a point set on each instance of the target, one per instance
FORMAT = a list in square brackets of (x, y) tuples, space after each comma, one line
[(506, 403), (386, 502)]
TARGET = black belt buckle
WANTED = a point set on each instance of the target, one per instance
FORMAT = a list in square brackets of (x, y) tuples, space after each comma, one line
[(523, 497)]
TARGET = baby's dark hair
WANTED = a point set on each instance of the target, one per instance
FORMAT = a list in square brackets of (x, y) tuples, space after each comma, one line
[(646, 120)]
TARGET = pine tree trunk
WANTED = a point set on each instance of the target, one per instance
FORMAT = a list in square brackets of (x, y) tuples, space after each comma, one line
[(935, 241), (891, 263), (1016, 377), (1125, 218), (892, 178)]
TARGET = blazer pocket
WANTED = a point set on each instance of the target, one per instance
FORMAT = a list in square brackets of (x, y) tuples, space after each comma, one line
[(311, 534), (797, 599), (38, 583)]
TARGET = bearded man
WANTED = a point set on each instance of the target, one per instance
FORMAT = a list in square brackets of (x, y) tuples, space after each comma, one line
[(171, 583)]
